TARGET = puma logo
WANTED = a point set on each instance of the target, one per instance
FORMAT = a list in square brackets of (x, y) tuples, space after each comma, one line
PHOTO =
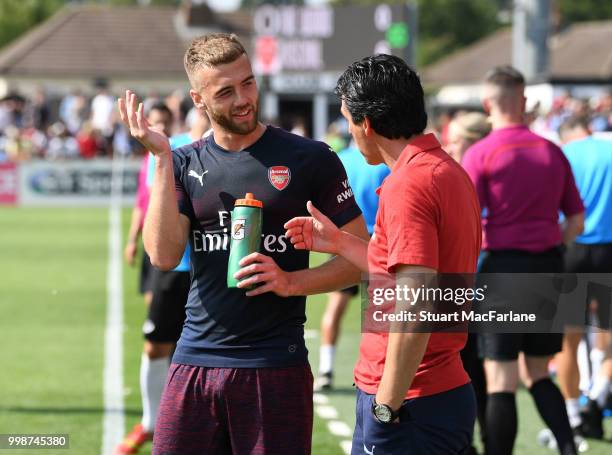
[(369, 452), (193, 173)]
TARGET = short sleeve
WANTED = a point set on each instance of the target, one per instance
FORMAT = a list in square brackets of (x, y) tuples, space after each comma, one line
[(571, 203), (473, 166), (331, 191), (410, 220), (182, 197), (142, 193)]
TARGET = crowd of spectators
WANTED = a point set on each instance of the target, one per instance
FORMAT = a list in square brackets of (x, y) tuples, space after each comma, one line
[(86, 127), (77, 126), (598, 109)]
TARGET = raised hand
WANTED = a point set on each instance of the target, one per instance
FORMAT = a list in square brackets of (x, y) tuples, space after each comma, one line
[(315, 233), (151, 138)]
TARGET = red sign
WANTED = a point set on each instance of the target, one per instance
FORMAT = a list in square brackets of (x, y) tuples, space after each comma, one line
[(279, 177), (266, 55), (8, 184)]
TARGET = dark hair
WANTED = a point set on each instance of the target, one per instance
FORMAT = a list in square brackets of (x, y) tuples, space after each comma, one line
[(505, 76), (388, 92), (161, 107), (575, 121)]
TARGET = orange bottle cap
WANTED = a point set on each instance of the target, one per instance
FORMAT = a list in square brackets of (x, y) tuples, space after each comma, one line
[(249, 201)]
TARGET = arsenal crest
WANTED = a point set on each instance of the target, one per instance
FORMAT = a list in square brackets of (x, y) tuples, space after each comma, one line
[(279, 177)]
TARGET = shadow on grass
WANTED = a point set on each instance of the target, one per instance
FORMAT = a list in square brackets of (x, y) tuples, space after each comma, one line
[(64, 410)]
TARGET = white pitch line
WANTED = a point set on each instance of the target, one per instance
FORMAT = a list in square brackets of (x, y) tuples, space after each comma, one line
[(114, 412), (339, 428), (347, 446), (326, 412), (319, 398)]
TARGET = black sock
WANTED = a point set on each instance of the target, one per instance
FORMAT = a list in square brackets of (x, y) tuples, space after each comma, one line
[(480, 389), (551, 406), (501, 423), (475, 369)]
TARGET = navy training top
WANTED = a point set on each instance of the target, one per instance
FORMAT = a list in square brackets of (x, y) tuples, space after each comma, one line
[(223, 327)]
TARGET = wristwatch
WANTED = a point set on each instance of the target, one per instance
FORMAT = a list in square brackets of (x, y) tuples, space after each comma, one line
[(384, 413)]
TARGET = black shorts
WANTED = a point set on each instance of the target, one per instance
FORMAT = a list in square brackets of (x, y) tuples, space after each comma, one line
[(167, 311), (145, 281), (506, 346), (594, 258), (583, 258)]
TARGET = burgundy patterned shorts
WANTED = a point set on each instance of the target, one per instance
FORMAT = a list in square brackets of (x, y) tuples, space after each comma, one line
[(235, 411)]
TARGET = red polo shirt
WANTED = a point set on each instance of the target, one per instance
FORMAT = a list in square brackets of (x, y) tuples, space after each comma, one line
[(428, 216)]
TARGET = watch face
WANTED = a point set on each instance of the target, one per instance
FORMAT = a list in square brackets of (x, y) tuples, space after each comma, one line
[(382, 413)]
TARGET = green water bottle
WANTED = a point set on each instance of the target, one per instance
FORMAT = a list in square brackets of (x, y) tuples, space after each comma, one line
[(247, 218)]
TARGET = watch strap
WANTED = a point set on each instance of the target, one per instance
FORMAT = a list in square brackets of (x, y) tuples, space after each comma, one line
[(394, 414)]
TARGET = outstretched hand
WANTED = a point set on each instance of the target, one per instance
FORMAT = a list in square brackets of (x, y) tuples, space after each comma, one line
[(151, 138), (315, 233)]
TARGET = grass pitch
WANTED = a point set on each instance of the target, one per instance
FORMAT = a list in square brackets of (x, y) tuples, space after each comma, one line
[(53, 265)]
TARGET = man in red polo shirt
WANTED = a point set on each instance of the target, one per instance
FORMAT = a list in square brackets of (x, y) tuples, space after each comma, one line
[(413, 393)]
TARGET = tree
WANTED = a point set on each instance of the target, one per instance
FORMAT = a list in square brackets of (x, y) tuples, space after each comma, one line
[(256, 3), (17, 16), (140, 2), (446, 25), (584, 10)]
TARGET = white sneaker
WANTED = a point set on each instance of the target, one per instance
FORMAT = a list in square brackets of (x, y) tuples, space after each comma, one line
[(323, 382)]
